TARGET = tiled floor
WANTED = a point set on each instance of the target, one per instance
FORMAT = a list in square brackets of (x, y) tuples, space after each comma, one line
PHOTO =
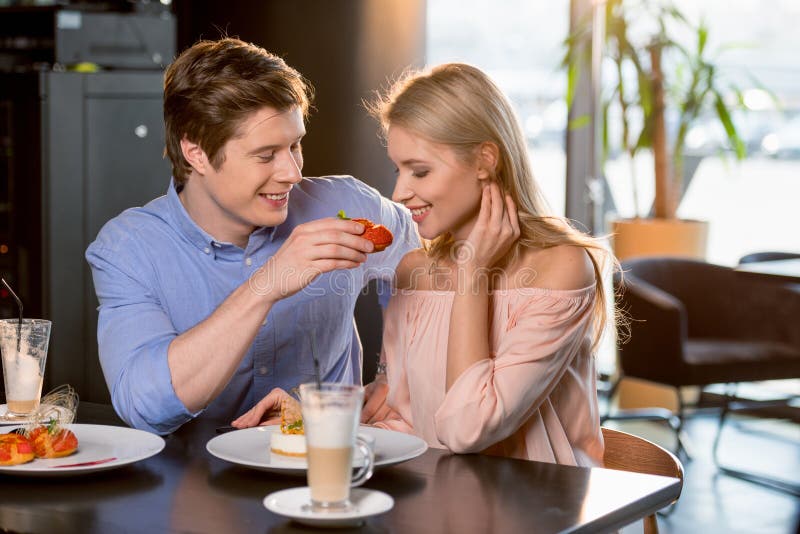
[(713, 502)]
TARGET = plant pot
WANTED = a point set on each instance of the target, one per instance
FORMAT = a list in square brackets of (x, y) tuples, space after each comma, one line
[(659, 237)]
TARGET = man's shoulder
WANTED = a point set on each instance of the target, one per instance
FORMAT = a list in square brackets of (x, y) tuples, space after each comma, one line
[(322, 187), (325, 196), (134, 224)]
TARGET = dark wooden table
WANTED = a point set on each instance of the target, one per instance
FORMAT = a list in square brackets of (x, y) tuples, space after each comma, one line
[(775, 270), (185, 489)]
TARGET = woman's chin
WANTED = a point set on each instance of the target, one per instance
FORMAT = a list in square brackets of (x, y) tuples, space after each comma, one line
[(429, 235)]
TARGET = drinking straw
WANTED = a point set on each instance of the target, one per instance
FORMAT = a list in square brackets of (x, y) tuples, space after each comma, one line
[(19, 306), (316, 361)]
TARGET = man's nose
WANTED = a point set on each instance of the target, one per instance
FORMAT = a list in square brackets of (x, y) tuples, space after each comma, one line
[(291, 169)]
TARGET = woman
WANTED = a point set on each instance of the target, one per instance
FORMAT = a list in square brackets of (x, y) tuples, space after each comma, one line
[(488, 340)]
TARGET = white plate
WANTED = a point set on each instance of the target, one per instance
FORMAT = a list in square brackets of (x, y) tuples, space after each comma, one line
[(250, 448), (6, 419), (95, 443), (294, 502)]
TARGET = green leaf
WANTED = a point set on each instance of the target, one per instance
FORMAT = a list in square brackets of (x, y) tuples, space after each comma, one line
[(730, 129), (702, 38), (572, 82), (297, 425), (579, 122), (342, 215)]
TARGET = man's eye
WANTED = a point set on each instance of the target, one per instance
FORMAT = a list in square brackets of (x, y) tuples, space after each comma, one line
[(296, 147), (266, 158)]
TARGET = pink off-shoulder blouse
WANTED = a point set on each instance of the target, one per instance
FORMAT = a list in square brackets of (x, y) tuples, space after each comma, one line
[(534, 397)]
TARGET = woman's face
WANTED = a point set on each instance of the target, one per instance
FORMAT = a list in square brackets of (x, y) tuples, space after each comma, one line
[(442, 191)]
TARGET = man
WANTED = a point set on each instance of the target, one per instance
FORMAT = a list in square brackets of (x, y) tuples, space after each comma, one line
[(236, 280)]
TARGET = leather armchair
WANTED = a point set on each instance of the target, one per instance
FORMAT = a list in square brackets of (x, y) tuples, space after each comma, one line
[(695, 324)]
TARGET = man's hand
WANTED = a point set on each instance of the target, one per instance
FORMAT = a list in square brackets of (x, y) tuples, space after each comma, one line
[(375, 408), (266, 412), (313, 248)]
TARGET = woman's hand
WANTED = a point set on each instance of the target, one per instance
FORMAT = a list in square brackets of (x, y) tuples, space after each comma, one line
[(495, 231), (375, 407), (266, 412)]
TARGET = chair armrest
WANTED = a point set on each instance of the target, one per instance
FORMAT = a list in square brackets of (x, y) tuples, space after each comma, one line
[(658, 331)]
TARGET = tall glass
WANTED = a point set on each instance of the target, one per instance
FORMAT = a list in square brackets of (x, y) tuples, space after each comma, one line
[(331, 414), (24, 353)]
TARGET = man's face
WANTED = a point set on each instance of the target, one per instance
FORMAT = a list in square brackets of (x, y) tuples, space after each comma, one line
[(250, 189)]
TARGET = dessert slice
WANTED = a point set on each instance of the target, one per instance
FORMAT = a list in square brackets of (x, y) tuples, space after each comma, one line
[(15, 449), (289, 439), (53, 441)]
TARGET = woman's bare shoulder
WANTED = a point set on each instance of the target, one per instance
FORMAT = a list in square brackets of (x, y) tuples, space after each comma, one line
[(562, 267), (412, 270)]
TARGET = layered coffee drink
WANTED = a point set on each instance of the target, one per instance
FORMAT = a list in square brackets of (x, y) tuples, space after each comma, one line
[(330, 456), (331, 417)]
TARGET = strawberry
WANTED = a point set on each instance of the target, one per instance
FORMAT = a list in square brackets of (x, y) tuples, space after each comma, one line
[(380, 236)]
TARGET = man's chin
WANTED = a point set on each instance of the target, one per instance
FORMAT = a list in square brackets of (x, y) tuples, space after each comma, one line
[(273, 219)]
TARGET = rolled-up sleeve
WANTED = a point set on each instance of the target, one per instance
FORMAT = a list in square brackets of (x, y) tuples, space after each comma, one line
[(494, 397), (133, 334)]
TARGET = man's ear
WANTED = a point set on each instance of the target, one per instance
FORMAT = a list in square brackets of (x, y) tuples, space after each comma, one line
[(488, 158), (194, 155)]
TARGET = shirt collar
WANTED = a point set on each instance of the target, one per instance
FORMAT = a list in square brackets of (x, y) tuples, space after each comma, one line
[(204, 241)]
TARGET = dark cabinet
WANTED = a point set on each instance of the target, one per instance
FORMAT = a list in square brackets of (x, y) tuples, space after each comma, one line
[(87, 147)]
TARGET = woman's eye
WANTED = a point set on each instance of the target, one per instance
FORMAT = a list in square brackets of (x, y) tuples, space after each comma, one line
[(396, 170), (420, 174)]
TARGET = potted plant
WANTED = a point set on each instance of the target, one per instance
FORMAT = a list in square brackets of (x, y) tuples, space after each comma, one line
[(654, 77)]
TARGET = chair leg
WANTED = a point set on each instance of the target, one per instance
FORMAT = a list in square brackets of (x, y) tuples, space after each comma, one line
[(675, 422), (683, 441), (722, 416), (651, 524), (762, 480)]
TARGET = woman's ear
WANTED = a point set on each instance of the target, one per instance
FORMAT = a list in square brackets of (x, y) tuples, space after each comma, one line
[(488, 157), (194, 155)]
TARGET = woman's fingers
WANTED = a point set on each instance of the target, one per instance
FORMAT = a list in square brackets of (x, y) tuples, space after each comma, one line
[(484, 216), (498, 206), (512, 216)]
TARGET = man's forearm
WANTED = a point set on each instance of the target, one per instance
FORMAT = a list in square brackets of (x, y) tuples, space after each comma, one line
[(203, 359)]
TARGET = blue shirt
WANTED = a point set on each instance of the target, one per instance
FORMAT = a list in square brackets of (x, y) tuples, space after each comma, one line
[(158, 274)]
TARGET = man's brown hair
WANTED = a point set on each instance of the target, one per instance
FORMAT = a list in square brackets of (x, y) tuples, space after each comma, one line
[(215, 85)]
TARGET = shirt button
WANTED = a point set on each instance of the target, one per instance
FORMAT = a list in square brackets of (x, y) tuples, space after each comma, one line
[(263, 370), (207, 250), (248, 262)]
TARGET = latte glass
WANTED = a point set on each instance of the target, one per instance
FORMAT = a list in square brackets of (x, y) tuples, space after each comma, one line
[(24, 353), (331, 414)]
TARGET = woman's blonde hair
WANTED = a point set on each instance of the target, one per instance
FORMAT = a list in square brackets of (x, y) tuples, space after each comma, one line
[(459, 106)]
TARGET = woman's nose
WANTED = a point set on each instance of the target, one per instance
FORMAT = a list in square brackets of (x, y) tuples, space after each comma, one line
[(401, 191)]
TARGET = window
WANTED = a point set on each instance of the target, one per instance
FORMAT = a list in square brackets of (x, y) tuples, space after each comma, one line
[(519, 44)]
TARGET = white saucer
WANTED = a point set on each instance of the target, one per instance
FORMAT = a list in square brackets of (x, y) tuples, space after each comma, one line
[(6, 419), (293, 503)]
